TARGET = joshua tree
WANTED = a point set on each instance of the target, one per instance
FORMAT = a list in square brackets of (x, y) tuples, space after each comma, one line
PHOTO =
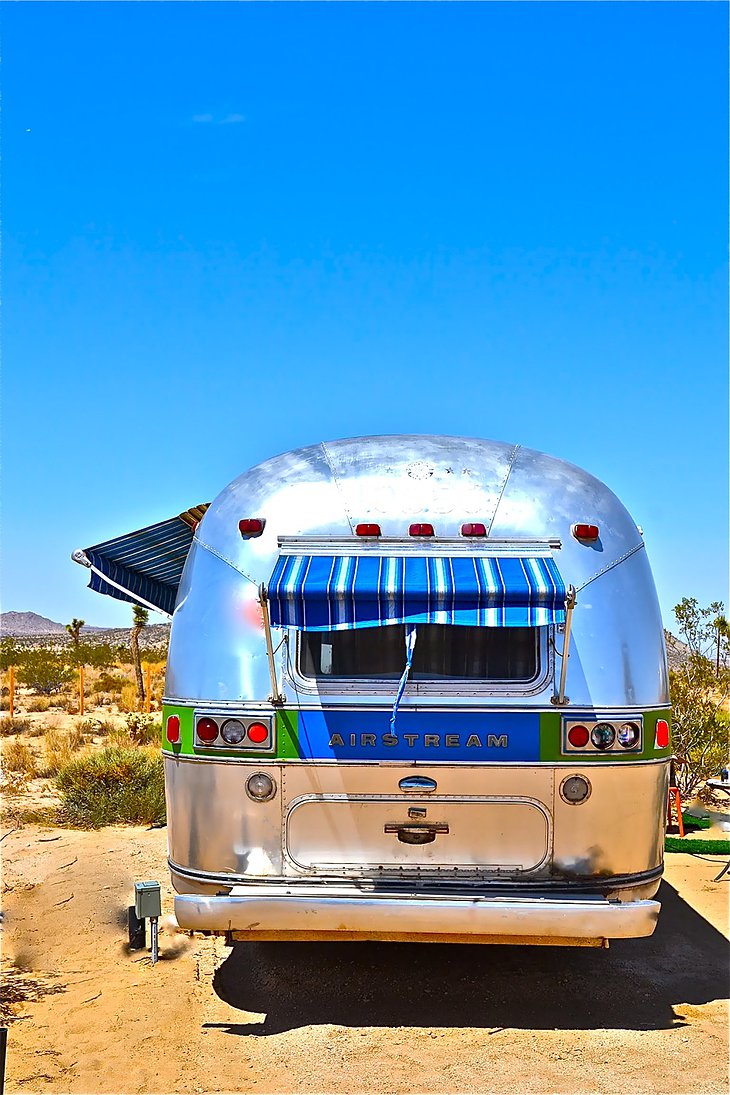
[(140, 616), (74, 630)]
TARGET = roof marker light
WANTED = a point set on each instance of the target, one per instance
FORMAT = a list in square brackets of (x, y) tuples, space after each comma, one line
[(420, 529), (251, 526), (474, 528), (587, 533), (364, 529)]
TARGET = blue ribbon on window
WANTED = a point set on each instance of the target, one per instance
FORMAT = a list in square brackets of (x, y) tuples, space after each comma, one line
[(410, 643)]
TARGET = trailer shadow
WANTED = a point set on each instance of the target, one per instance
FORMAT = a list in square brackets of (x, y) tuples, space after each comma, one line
[(635, 985)]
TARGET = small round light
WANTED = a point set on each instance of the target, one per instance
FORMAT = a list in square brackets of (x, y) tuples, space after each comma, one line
[(260, 787), (628, 734), (575, 789), (233, 732), (173, 729), (603, 735), (258, 733), (207, 730), (578, 736)]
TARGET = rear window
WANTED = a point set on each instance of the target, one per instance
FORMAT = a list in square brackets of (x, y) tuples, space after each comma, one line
[(442, 652)]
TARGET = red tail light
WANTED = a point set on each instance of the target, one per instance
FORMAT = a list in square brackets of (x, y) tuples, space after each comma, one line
[(251, 526), (207, 730), (474, 528), (367, 530), (587, 533), (257, 733), (662, 734), (578, 736), (173, 729), (420, 529)]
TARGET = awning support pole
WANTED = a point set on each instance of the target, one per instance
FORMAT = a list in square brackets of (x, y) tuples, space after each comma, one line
[(276, 696), (570, 602)]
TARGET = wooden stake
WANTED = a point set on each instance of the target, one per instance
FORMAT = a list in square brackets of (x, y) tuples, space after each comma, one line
[(81, 689), (11, 683), (147, 686)]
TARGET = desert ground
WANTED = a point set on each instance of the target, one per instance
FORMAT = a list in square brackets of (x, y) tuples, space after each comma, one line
[(91, 1016)]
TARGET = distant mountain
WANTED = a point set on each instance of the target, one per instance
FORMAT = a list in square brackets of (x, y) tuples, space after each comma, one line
[(34, 630), (28, 623)]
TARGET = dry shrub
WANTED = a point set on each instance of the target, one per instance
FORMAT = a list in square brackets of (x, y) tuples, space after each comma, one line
[(128, 699), (19, 758), (16, 725), (39, 703), (109, 682), (143, 729), (60, 748), (115, 785)]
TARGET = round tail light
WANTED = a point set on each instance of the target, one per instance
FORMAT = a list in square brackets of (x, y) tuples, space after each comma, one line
[(207, 730), (233, 732), (173, 729), (258, 733), (603, 735), (578, 736), (628, 734)]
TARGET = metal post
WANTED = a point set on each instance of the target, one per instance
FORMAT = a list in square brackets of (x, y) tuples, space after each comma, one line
[(148, 686), (570, 603), (155, 939), (3, 1051), (81, 689), (11, 684), (276, 696)]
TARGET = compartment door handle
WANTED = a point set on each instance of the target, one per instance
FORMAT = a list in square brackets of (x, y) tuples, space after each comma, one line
[(416, 834)]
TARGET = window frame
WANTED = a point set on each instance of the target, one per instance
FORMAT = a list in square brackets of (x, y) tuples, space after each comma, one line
[(435, 686)]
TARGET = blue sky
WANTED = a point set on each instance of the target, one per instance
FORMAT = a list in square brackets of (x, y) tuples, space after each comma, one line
[(234, 229)]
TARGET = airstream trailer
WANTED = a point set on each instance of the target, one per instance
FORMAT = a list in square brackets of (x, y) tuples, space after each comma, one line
[(416, 689)]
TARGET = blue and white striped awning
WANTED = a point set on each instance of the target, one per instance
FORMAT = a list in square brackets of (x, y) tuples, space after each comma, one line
[(143, 567), (341, 592)]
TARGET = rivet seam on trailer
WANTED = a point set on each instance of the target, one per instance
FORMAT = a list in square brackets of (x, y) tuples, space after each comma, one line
[(223, 559), (510, 464), (610, 566)]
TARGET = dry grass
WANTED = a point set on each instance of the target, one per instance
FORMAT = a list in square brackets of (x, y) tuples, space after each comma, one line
[(128, 700), (19, 759), (38, 703), (15, 725), (61, 746)]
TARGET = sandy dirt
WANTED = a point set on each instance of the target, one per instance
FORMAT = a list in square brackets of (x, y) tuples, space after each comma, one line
[(644, 1016)]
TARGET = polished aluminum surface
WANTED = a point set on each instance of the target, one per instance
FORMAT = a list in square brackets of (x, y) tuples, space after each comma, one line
[(252, 908), (217, 647), (330, 832), (213, 827)]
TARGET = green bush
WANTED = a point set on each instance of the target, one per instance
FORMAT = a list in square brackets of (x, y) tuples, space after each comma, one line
[(44, 671), (118, 784)]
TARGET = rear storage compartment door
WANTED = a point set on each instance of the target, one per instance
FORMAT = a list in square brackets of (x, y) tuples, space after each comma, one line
[(326, 832)]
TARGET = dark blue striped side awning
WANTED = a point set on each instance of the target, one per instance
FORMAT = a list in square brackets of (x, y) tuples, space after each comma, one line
[(143, 567), (338, 592)]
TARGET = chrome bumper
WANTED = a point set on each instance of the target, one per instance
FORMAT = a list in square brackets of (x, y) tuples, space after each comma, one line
[(270, 912)]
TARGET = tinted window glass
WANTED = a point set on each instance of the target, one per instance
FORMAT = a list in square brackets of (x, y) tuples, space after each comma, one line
[(442, 652)]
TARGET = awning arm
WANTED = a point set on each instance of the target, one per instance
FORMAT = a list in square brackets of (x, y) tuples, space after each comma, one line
[(560, 700), (276, 696), (80, 556)]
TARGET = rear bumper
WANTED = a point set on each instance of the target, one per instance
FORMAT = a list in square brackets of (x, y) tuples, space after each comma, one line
[(268, 912)]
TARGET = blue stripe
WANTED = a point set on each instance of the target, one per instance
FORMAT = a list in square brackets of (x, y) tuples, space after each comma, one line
[(333, 593)]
